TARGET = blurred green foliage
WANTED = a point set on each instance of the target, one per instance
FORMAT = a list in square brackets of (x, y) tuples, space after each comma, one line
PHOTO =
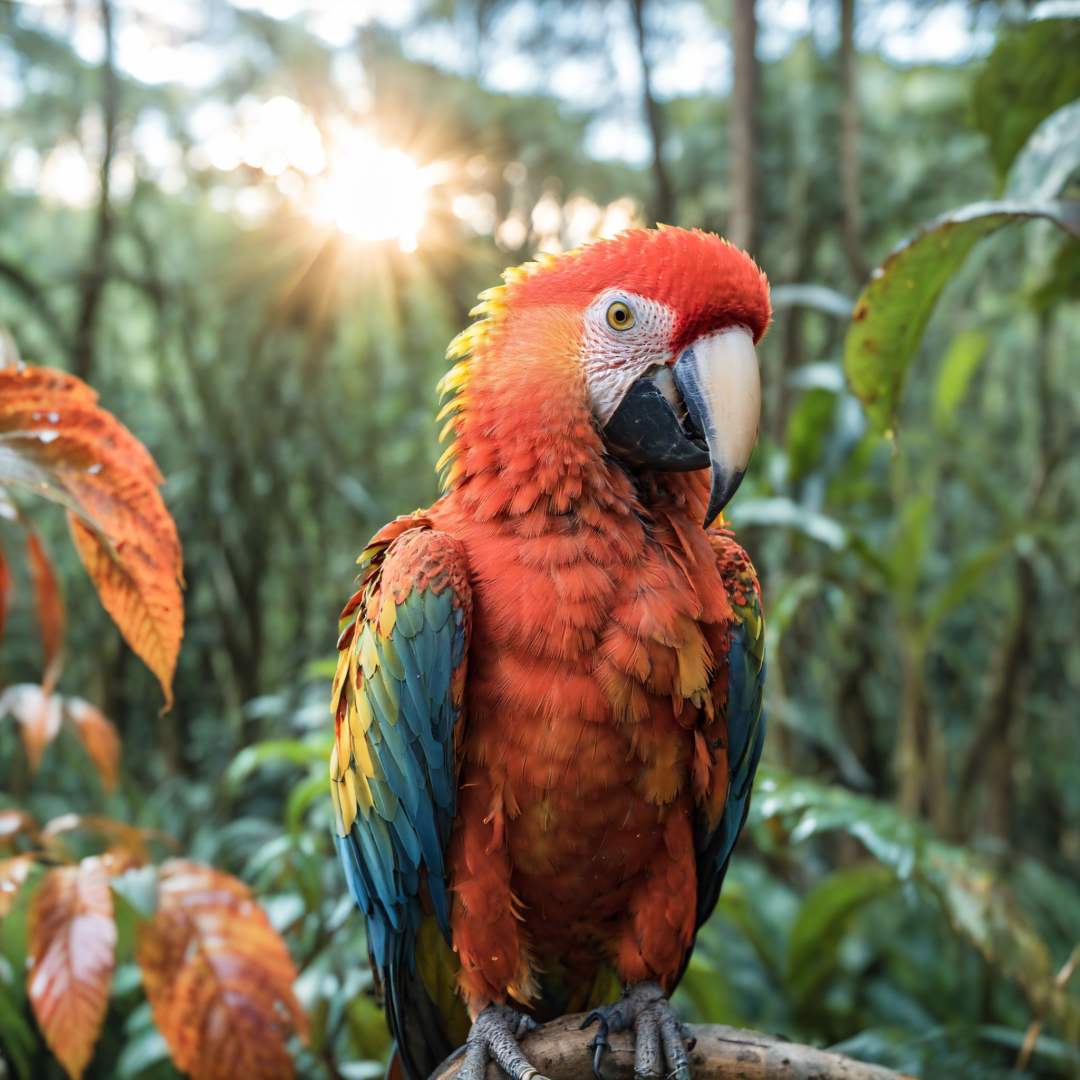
[(907, 887)]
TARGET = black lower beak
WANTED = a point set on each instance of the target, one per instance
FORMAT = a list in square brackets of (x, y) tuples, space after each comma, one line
[(645, 431), (707, 418)]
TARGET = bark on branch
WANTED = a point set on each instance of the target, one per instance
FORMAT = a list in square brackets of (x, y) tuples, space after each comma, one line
[(561, 1051)]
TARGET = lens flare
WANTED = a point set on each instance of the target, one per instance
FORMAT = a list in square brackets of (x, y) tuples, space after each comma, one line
[(371, 192)]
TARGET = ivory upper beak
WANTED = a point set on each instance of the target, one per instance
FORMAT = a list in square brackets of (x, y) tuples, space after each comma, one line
[(720, 383)]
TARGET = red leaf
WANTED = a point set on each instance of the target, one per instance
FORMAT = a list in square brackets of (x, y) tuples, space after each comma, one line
[(58, 440), (98, 736), (37, 714), (50, 608), (218, 977), (72, 938)]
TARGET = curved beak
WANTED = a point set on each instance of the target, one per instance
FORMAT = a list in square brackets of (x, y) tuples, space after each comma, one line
[(719, 381), (703, 411)]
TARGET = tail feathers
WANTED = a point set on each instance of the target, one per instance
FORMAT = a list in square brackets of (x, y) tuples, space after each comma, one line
[(418, 1027)]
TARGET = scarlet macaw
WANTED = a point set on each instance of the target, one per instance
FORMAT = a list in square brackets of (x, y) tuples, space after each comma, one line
[(548, 697)]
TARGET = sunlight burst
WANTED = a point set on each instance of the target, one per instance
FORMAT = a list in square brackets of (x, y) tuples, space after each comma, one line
[(372, 192)]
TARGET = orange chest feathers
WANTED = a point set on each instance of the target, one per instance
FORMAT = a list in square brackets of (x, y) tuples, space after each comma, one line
[(591, 673)]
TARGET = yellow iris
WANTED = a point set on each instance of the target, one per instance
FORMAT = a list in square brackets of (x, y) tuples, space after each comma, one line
[(619, 316)]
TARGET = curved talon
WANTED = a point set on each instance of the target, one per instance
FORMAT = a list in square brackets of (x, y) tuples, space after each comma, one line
[(660, 1040), (600, 1044)]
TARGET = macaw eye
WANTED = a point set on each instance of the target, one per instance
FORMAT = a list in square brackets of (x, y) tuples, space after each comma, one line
[(619, 316)]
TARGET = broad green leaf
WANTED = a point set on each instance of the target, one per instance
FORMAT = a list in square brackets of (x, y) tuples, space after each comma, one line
[(1062, 282), (825, 375), (1055, 1051), (288, 751), (302, 796), (137, 889), (977, 904), (18, 1040), (141, 1052), (961, 362), (892, 313), (708, 992), (786, 513), (1049, 159), (785, 602), (808, 430), (1031, 72), (818, 297), (823, 920), (13, 929)]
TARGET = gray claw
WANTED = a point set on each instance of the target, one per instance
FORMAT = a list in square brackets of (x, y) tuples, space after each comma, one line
[(659, 1039), (493, 1037)]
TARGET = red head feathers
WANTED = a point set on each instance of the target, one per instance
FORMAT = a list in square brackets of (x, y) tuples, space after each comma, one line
[(709, 283)]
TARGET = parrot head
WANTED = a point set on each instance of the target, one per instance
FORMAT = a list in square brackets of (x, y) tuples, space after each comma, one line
[(664, 325)]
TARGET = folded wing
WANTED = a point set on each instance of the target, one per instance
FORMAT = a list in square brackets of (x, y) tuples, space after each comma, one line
[(397, 699), (738, 730)]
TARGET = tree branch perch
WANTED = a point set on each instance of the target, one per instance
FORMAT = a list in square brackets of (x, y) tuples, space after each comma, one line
[(560, 1050)]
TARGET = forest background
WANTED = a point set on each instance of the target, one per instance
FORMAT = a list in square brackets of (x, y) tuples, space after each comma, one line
[(253, 228)]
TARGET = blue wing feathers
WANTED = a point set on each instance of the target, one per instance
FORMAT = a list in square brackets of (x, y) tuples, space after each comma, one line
[(745, 737), (398, 843)]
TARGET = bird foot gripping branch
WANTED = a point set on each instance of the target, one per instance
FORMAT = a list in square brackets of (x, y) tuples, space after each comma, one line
[(494, 1037), (661, 1041)]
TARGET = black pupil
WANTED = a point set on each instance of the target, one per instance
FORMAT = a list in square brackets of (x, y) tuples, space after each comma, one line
[(620, 315)]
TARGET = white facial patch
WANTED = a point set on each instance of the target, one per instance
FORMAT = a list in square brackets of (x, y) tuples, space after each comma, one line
[(613, 358)]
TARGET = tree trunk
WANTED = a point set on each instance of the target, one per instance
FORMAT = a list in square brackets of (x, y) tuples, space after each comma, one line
[(561, 1050), (95, 273), (921, 765), (849, 144), (742, 226), (663, 207)]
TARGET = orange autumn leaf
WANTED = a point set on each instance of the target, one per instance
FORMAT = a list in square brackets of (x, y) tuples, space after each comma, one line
[(50, 607), (141, 596), (56, 440), (218, 977), (98, 736), (38, 715), (72, 939)]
